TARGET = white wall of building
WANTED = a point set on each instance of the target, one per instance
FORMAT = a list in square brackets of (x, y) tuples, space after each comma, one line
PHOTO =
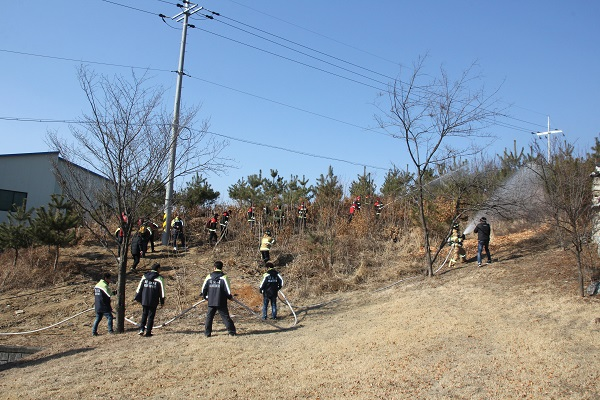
[(33, 173)]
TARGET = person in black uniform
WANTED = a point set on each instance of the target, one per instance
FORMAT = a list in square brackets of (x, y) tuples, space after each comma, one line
[(483, 231), (217, 290), (102, 306), (271, 283), (150, 292), (136, 249)]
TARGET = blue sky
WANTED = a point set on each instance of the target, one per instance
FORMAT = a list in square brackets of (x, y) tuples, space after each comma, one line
[(542, 56)]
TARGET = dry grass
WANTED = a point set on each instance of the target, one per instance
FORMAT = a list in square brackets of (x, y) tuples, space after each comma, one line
[(515, 329)]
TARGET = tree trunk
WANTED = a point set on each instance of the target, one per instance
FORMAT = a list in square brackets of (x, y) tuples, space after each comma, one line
[(121, 286), (56, 254), (580, 268), (428, 260), (16, 258)]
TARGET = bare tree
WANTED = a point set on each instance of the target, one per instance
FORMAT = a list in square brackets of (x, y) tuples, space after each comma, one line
[(125, 139), (438, 120), (567, 200)]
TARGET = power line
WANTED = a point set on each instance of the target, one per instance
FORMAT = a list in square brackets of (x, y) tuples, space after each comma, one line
[(83, 61), (126, 6), (296, 151), (303, 153), (307, 65), (308, 55), (345, 44), (499, 123), (373, 130), (317, 33), (291, 59)]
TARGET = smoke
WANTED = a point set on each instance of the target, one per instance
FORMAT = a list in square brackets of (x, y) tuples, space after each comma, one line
[(520, 194)]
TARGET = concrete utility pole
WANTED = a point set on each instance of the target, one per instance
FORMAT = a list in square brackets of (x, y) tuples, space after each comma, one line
[(188, 9), (548, 133)]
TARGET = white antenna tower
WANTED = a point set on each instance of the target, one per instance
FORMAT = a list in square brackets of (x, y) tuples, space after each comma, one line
[(547, 133)]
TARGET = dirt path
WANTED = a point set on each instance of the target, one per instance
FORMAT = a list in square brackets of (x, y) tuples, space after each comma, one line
[(503, 331)]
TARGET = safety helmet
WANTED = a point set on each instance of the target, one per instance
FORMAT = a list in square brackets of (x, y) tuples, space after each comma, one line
[(268, 232)]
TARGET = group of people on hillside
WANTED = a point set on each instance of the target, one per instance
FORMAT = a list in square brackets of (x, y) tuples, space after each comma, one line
[(356, 206), (145, 235), (216, 290)]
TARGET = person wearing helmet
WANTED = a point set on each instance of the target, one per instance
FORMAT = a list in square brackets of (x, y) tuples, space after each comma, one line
[(457, 250), (211, 225), (302, 214), (224, 223), (356, 203), (378, 207), (265, 245), (177, 232)]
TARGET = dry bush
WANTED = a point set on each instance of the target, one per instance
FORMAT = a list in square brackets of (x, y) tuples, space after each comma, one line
[(34, 269), (502, 227)]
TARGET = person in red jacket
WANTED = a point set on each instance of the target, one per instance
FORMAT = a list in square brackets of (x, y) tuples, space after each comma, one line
[(351, 212), (212, 229)]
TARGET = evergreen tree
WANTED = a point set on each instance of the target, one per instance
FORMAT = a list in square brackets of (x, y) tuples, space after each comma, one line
[(328, 189), (396, 183), (328, 196), (198, 193), (595, 154), (240, 191), (364, 186), (15, 234), (274, 188), (153, 205), (55, 226), (298, 191)]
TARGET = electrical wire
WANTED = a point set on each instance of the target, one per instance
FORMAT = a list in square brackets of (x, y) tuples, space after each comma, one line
[(220, 135), (305, 47), (306, 54), (298, 44), (291, 59), (338, 59), (130, 7), (316, 33), (83, 61), (298, 152)]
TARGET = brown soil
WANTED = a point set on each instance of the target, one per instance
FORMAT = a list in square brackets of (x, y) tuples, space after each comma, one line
[(514, 329)]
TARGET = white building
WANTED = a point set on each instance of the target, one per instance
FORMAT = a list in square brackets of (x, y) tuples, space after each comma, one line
[(30, 177)]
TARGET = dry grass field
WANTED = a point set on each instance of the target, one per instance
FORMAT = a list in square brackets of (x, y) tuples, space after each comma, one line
[(516, 328)]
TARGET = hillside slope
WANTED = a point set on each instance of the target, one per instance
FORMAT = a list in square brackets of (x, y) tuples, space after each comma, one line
[(516, 328)]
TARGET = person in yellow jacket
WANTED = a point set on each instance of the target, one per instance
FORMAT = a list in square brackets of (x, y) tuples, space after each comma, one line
[(265, 245), (102, 306), (458, 252)]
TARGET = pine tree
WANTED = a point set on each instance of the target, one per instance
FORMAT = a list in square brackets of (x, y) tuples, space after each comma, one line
[(396, 183), (198, 193), (15, 234), (55, 226)]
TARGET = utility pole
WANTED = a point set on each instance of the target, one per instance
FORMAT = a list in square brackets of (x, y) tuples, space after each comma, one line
[(188, 9), (547, 133)]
